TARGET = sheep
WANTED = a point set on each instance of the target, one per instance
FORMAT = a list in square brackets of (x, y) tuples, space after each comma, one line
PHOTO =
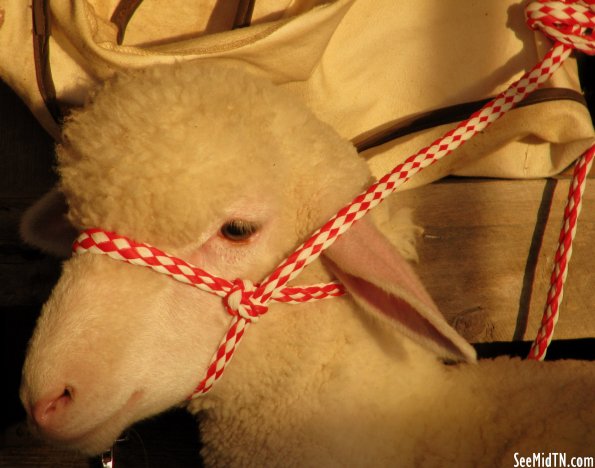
[(223, 169)]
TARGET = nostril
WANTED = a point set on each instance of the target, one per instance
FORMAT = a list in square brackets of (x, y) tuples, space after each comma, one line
[(46, 409)]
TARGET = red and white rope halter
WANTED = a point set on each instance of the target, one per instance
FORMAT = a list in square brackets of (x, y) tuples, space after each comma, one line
[(569, 23)]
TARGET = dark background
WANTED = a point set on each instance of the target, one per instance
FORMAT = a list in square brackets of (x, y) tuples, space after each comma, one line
[(587, 76)]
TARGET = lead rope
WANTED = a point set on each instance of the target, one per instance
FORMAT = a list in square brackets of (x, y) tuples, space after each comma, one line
[(569, 23), (562, 257)]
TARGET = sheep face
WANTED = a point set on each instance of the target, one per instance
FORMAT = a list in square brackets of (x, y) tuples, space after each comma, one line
[(202, 161)]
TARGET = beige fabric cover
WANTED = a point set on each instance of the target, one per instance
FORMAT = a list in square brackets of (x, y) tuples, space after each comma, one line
[(360, 64)]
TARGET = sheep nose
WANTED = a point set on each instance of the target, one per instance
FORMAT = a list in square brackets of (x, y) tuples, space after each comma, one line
[(48, 411)]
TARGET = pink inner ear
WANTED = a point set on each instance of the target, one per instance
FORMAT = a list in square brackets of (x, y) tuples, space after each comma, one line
[(379, 278), (411, 322)]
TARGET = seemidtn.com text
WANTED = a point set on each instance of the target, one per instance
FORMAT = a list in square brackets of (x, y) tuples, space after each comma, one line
[(552, 460)]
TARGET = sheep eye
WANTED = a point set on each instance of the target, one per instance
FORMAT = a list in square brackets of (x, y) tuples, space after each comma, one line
[(238, 230)]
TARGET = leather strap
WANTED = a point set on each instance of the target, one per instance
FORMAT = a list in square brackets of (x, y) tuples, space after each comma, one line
[(244, 14), (126, 8), (453, 114), (41, 56), (121, 16)]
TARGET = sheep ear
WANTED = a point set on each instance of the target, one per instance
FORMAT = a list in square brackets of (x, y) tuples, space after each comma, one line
[(380, 280), (45, 226)]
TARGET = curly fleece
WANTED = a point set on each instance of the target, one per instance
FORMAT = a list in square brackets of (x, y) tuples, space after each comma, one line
[(193, 138), (324, 384)]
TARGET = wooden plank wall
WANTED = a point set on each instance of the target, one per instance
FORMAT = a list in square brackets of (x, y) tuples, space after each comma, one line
[(487, 251)]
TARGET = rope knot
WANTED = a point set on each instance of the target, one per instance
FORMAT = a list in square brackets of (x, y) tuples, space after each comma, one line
[(571, 22), (239, 302)]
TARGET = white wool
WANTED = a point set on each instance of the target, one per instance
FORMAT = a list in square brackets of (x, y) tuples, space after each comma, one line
[(166, 156)]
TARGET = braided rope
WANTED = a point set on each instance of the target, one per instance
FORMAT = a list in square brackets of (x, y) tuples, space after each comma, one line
[(122, 248), (327, 234), (237, 295), (136, 253), (570, 24), (563, 255)]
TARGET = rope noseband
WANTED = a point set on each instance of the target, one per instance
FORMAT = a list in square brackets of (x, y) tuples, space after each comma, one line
[(238, 296), (571, 24)]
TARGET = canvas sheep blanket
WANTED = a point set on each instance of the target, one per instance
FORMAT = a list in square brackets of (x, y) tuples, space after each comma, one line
[(388, 75)]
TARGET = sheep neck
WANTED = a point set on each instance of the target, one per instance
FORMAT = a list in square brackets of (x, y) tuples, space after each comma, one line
[(343, 355)]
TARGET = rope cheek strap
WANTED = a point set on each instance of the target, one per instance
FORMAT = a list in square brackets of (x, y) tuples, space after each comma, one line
[(238, 295), (571, 24)]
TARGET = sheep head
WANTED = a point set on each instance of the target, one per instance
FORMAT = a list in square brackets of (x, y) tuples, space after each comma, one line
[(219, 168), (190, 159)]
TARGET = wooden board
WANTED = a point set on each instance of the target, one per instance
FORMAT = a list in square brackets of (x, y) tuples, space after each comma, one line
[(487, 251)]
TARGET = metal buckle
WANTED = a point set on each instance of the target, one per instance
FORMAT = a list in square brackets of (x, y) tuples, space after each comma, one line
[(107, 457)]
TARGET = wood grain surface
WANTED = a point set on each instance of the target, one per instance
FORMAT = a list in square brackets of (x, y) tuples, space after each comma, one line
[(487, 252)]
